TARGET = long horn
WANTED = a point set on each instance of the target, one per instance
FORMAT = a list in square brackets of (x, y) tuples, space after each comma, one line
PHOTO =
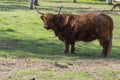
[(38, 11), (60, 9)]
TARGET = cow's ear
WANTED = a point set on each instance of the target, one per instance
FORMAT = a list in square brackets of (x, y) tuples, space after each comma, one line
[(56, 18)]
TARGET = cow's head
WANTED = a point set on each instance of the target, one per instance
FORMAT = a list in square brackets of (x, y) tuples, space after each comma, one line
[(52, 21), (49, 19)]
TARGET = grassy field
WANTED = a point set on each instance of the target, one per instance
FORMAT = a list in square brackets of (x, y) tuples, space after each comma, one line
[(29, 51)]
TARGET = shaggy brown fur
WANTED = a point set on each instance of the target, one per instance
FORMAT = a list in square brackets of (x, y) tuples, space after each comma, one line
[(88, 27)]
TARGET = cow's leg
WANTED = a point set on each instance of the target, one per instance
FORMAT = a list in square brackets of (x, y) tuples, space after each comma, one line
[(66, 47), (73, 47), (106, 44)]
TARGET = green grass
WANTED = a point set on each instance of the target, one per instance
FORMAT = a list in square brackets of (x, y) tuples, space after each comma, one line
[(50, 75), (22, 36)]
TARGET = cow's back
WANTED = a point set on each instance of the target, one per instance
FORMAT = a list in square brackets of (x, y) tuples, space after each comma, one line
[(92, 26)]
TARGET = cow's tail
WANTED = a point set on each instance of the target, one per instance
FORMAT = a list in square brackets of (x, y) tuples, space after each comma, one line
[(110, 36), (110, 43)]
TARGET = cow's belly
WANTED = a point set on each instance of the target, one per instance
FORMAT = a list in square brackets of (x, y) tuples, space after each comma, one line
[(87, 39), (86, 36)]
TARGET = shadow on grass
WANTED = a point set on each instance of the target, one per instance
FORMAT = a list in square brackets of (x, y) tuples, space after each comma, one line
[(48, 9), (15, 2), (94, 3), (58, 1), (50, 49), (81, 2), (13, 7), (10, 5)]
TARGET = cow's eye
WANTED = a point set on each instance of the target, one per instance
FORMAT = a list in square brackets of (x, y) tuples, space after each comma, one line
[(45, 18)]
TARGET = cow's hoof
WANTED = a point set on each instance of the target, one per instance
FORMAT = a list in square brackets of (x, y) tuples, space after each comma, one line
[(102, 56), (73, 52), (65, 52)]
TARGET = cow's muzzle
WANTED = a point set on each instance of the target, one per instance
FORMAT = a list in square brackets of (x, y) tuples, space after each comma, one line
[(46, 27)]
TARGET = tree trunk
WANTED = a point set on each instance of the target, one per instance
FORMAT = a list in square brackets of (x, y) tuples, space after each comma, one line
[(31, 4), (74, 1)]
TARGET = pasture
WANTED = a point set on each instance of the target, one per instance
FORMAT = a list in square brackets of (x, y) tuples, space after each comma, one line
[(29, 51)]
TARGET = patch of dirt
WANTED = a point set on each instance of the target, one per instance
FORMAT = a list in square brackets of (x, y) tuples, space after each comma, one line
[(91, 66), (10, 66)]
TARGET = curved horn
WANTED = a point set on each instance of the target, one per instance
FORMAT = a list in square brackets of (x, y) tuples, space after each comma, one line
[(38, 11), (60, 9)]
